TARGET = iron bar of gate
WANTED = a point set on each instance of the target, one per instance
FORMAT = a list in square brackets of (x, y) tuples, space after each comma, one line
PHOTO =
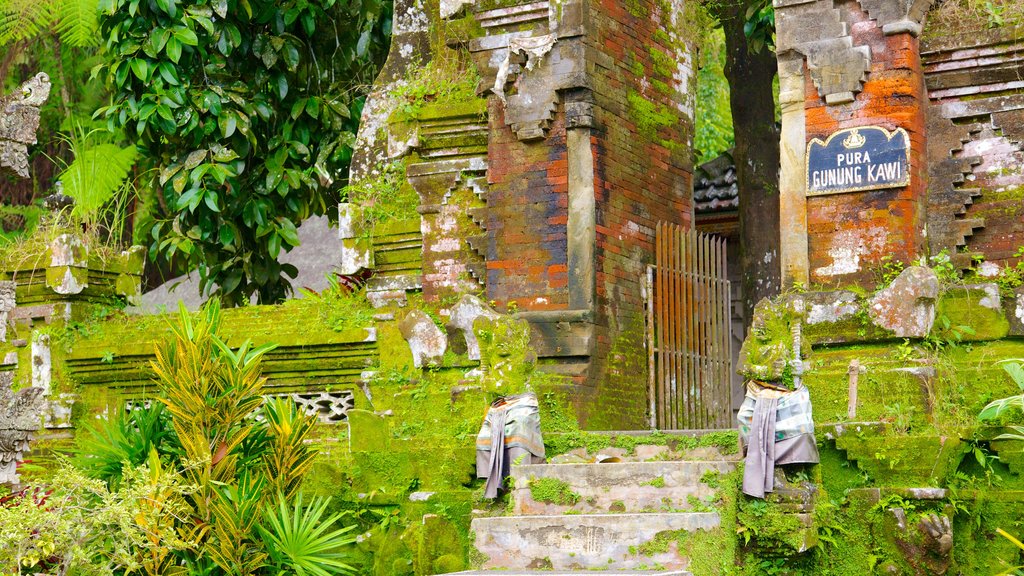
[(688, 314)]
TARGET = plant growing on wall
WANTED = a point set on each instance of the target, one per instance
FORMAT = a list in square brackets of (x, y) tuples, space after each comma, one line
[(247, 110), (995, 409)]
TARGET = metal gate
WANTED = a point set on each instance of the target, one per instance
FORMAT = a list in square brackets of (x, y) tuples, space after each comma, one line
[(688, 338)]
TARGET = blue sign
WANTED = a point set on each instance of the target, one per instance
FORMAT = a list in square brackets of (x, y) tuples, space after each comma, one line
[(856, 159)]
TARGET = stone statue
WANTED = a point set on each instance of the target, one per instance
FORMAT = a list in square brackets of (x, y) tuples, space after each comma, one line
[(19, 120), (21, 416)]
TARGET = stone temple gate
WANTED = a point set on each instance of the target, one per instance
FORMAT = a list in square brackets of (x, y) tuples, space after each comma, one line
[(543, 186)]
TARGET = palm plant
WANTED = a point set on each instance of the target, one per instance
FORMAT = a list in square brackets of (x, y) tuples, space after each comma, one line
[(98, 178), (300, 539)]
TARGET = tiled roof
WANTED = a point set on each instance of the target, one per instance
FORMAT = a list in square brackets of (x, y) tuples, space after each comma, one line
[(714, 186)]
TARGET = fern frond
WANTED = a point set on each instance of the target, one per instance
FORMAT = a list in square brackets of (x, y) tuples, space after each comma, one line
[(95, 175), (21, 19), (78, 23)]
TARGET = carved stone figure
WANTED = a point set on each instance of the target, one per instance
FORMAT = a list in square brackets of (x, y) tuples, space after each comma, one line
[(19, 120), (20, 417)]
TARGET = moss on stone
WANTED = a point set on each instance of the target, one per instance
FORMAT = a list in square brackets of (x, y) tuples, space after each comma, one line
[(553, 491), (960, 315)]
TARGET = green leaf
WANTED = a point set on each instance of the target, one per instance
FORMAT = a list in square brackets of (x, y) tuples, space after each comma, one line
[(210, 198), (274, 245), (361, 45), (168, 73), (282, 86), (291, 56), (186, 36), (156, 42), (227, 123), (141, 69), (226, 235), (313, 107), (174, 49), (298, 107), (121, 74)]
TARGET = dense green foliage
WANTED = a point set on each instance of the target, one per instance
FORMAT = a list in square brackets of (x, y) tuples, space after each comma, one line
[(247, 111), (233, 478), (713, 118)]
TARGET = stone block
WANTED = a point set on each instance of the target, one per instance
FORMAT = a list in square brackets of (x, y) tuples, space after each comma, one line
[(586, 541), (463, 314), (617, 487), (426, 341), (971, 313), (907, 306), (1014, 307)]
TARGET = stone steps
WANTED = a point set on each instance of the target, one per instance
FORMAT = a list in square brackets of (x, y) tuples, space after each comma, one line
[(669, 486), (571, 573), (586, 541)]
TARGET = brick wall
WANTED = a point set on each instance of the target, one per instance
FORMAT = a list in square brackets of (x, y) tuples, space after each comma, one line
[(975, 136), (848, 234), (527, 205), (643, 176)]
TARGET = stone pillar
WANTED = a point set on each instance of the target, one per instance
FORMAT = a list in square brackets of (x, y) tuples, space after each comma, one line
[(792, 194), (861, 67)]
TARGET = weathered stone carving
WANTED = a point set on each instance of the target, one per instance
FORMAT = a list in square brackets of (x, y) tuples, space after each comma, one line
[(21, 414), (463, 315), (927, 549), (816, 30), (907, 306), (897, 16), (328, 407), (426, 341), (7, 303), (538, 62), (19, 120)]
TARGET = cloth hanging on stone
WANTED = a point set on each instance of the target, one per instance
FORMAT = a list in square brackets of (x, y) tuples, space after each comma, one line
[(778, 429), (510, 431)]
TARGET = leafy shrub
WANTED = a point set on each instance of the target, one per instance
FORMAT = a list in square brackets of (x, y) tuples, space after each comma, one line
[(247, 109)]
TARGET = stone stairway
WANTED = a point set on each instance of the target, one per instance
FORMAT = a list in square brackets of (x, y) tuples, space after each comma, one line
[(621, 518)]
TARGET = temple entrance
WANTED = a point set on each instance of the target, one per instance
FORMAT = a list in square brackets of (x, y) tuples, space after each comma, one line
[(688, 331)]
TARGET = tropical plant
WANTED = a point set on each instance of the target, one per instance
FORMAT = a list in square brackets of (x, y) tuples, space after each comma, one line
[(245, 456), (299, 538), (96, 179), (75, 20), (248, 110), (126, 438), (1015, 368), (79, 526)]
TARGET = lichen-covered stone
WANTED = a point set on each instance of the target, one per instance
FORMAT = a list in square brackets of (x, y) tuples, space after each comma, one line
[(506, 356), (463, 315), (19, 120), (907, 305), (7, 303), (426, 341), (971, 312), (767, 352), (1015, 312)]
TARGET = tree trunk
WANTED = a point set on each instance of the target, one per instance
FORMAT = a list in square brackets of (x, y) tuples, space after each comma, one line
[(751, 93)]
